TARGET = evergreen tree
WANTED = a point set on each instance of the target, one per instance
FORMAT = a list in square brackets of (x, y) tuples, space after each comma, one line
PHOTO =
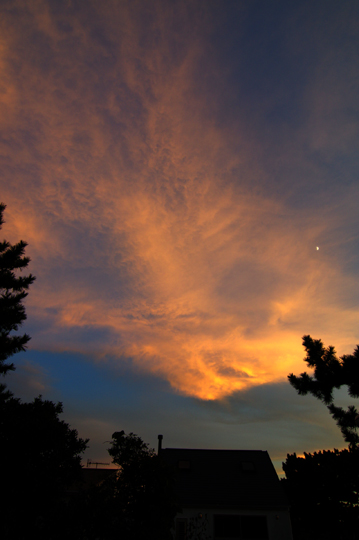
[(13, 290), (41, 454), (331, 372), (322, 489)]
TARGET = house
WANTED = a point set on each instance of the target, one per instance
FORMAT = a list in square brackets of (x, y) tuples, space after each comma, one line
[(227, 494)]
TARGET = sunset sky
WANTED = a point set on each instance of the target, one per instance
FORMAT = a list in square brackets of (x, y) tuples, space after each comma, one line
[(174, 167)]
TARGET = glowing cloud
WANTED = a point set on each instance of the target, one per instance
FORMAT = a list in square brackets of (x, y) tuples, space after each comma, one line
[(152, 228)]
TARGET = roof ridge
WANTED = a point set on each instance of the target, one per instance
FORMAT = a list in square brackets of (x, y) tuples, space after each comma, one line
[(216, 450)]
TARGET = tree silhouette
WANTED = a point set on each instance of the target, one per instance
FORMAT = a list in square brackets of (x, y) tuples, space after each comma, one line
[(143, 489), (13, 290), (331, 372), (322, 489), (41, 457), (39, 453)]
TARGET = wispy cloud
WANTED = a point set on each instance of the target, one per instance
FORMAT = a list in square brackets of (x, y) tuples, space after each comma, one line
[(157, 233)]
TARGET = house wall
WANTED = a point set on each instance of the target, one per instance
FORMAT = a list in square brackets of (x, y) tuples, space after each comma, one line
[(198, 523)]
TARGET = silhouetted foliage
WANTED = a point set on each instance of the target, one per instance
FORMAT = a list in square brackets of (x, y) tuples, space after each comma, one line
[(329, 373), (137, 502), (130, 449), (40, 457), (144, 488), (13, 290), (322, 489)]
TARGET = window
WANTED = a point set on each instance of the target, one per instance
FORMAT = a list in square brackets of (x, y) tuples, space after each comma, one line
[(181, 529), (227, 526), (254, 527), (234, 527)]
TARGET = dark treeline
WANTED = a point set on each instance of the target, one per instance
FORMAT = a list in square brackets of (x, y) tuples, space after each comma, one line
[(40, 455), (323, 487)]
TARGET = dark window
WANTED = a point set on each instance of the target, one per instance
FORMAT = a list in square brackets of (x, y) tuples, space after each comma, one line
[(236, 527), (227, 526), (254, 528), (181, 529)]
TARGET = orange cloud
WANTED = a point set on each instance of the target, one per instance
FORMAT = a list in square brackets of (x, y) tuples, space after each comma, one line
[(141, 212)]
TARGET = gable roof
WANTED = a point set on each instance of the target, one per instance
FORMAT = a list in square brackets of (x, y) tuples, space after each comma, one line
[(231, 479)]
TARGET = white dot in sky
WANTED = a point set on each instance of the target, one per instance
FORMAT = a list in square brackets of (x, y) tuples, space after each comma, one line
[(317, 248)]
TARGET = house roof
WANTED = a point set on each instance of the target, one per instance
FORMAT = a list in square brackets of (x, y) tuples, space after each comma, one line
[(230, 479)]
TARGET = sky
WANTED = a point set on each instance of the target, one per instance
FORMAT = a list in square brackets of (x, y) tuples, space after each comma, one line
[(174, 167)]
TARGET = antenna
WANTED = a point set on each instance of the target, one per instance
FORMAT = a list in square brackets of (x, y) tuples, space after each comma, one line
[(89, 463)]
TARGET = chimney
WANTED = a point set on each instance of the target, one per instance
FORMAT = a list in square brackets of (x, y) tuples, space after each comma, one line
[(160, 437)]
